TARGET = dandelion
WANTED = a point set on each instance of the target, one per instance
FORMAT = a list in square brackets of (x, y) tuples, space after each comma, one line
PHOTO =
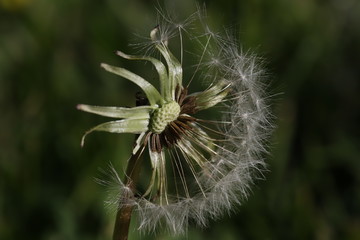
[(200, 168)]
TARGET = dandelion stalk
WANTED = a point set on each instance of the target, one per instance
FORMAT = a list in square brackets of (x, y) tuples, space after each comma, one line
[(124, 212), (123, 216)]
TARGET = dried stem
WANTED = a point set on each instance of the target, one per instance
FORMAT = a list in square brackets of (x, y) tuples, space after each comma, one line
[(123, 216)]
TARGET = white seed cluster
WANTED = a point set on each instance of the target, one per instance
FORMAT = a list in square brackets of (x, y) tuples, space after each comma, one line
[(163, 116)]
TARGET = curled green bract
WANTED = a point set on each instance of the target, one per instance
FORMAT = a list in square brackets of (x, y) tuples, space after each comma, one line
[(164, 107)]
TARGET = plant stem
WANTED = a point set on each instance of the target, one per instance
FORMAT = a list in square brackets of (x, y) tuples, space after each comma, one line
[(123, 216)]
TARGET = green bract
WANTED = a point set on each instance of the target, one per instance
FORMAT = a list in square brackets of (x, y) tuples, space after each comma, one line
[(163, 107)]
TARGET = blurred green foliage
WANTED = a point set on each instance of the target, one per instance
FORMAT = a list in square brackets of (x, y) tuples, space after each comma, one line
[(50, 53)]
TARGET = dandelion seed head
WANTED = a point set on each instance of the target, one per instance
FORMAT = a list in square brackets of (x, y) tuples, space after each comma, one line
[(200, 168)]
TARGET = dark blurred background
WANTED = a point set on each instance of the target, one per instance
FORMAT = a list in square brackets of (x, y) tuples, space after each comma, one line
[(50, 53)]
